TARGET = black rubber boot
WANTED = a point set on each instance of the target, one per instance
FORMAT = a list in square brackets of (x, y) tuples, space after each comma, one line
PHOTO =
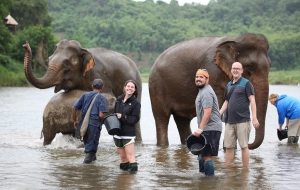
[(209, 168), (133, 168), (201, 164), (124, 166), (89, 158), (296, 139), (291, 139)]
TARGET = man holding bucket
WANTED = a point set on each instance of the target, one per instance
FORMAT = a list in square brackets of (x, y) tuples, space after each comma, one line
[(94, 104), (209, 122)]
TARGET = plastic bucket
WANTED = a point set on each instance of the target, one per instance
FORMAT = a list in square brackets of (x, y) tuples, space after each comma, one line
[(112, 124), (196, 144), (282, 134)]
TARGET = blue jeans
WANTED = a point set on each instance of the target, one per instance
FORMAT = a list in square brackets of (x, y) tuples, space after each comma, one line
[(92, 136)]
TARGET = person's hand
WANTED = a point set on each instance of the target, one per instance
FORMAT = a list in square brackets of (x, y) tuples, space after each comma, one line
[(119, 115), (255, 123), (75, 124), (197, 133)]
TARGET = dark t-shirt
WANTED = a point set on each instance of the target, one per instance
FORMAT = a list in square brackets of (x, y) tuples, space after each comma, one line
[(238, 101)]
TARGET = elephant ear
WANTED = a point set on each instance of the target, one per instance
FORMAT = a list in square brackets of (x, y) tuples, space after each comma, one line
[(88, 60), (225, 56)]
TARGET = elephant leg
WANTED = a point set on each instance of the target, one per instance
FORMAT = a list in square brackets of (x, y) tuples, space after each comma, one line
[(49, 134), (138, 132), (183, 126), (161, 122)]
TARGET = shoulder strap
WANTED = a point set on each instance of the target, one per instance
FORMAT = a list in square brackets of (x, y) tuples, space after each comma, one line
[(86, 119), (230, 91)]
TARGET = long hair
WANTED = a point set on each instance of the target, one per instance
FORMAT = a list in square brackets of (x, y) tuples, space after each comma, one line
[(135, 85)]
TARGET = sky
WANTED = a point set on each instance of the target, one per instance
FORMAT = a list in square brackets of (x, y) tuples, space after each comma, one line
[(182, 2)]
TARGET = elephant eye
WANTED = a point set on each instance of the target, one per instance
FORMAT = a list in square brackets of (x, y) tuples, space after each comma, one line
[(66, 65)]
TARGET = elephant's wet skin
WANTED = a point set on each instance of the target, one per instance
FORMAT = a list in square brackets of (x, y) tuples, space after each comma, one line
[(171, 79), (57, 117), (72, 67)]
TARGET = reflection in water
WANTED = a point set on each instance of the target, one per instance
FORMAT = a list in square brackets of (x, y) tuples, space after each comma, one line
[(26, 164)]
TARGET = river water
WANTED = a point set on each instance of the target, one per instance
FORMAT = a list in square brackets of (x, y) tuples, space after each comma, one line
[(26, 164)]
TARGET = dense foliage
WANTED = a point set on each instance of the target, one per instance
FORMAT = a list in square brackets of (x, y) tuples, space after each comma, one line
[(126, 25), (34, 26)]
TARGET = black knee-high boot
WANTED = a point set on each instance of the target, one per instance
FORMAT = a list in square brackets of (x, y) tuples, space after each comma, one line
[(133, 168), (124, 166)]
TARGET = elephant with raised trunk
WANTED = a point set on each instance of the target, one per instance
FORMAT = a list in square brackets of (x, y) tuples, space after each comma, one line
[(172, 79), (72, 67)]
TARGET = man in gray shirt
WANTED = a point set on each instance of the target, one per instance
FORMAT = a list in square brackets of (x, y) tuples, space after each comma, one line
[(209, 122)]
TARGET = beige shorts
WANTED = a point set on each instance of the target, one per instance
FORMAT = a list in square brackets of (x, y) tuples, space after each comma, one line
[(238, 131), (294, 127)]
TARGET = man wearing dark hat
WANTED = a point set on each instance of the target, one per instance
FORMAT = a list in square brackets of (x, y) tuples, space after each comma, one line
[(209, 122), (97, 114)]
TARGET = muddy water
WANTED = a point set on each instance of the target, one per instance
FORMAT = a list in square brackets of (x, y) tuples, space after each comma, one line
[(26, 164)]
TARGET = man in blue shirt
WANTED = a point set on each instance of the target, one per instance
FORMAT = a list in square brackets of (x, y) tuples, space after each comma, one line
[(97, 114)]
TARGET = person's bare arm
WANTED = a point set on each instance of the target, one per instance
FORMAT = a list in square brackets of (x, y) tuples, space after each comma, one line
[(74, 117), (102, 115), (204, 121), (224, 107)]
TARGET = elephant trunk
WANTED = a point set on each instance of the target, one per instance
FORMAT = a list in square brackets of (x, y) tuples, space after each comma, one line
[(261, 98), (41, 83)]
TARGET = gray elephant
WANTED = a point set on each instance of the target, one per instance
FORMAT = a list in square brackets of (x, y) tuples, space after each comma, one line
[(57, 117), (171, 82), (72, 67)]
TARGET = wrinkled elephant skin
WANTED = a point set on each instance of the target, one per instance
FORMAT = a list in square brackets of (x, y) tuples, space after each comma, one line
[(57, 117), (72, 67), (172, 79)]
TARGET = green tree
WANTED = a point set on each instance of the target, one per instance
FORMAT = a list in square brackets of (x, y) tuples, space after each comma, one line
[(5, 34)]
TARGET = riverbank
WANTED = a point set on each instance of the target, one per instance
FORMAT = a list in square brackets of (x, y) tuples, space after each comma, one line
[(13, 75), (275, 77)]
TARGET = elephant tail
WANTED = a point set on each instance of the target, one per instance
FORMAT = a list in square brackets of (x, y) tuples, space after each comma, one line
[(42, 135)]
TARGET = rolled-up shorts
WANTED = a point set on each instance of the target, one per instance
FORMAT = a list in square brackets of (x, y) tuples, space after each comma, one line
[(121, 142), (213, 141), (237, 131)]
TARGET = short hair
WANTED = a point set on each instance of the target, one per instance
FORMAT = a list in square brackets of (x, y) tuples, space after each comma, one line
[(273, 98)]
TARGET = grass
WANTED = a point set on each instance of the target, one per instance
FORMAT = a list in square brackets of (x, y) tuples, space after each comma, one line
[(284, 77), (275, 77)]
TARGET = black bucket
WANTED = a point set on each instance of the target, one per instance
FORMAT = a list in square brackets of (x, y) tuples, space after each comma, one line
[(112, 124), (283, 134), (196, 144)]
